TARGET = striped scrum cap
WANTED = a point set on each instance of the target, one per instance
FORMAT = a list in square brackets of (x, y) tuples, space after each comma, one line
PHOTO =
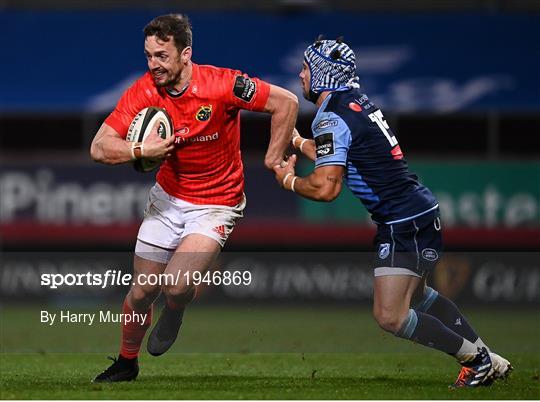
[(332, 65)]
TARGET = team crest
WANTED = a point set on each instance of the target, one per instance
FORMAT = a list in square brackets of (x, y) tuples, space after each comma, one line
[(384, 250), (204, 113)]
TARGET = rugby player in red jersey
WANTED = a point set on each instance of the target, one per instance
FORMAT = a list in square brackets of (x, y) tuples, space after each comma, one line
[(198, 196)]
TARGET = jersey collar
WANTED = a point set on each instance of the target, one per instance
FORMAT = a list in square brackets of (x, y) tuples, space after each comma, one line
[(194, 76)]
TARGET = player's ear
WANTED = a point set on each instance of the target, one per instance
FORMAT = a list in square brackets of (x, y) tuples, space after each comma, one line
[(185, 56)]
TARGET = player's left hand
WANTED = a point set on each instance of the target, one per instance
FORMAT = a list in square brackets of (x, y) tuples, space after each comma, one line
[(284, 168)]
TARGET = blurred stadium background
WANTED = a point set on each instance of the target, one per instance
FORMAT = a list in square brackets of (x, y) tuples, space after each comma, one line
[(459, 82)]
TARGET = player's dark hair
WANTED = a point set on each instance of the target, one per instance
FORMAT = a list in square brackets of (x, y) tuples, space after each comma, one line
[(175, 25)]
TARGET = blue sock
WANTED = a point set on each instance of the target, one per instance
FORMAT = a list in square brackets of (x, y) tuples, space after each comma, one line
[(429, 331), (447, 312)]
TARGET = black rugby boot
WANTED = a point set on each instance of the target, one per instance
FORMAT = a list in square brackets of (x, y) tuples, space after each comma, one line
[(165, 331), (122, 369)]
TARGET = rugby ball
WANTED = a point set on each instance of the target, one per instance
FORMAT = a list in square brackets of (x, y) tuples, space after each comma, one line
[(141, 127)]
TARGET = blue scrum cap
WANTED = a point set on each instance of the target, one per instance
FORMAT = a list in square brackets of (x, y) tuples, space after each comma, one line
[(332, 65)]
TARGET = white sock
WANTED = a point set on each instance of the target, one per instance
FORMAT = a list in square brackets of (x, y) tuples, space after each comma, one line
[(467, 352), (479, 343)]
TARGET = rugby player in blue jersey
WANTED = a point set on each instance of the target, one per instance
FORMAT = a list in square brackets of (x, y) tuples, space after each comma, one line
[(352, 142)]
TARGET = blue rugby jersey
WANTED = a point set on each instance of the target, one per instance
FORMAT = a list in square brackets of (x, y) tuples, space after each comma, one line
[(351, 131)]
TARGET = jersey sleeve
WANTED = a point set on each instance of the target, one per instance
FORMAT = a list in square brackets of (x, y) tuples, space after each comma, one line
[(133, 100), (245, 92), (332, 140)]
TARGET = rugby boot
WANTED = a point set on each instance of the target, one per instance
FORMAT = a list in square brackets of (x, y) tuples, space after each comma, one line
[(500, 368), (165, 331), (122, 369), (474, 372)]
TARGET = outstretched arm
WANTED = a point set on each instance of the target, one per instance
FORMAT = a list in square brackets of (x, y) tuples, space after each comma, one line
[(283, 105), (305, 145), (324, 184)]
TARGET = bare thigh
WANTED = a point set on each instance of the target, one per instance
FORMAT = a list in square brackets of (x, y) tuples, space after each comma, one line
[(195, 253)]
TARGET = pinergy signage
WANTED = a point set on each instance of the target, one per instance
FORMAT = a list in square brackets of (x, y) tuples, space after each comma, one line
[(46, 195), (484, 195)]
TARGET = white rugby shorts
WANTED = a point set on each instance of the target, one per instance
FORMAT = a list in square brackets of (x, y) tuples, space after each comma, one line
[(168, 219)]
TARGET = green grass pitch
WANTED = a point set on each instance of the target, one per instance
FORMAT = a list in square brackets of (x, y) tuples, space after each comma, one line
[(256, 352)]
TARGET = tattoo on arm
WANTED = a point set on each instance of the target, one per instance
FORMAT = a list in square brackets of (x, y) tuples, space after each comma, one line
[(333, 179)]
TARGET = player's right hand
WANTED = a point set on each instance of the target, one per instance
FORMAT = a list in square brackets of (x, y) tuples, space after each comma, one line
[(284, 168), (157, 147), (296, 138)]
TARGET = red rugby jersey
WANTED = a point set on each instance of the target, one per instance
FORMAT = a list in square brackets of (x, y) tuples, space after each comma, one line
[(206, 167)]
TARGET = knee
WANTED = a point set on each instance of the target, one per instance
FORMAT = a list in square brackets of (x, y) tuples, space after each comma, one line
[(143, 297), (388, 320), (180, 294)]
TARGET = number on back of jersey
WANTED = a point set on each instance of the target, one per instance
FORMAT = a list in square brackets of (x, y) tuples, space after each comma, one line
[(378, 118)]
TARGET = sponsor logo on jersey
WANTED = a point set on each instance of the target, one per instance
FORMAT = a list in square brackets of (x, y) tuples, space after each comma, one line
[(355, 107), (199, 138), (430, 254), (244, 88), (182, 131), (384, 250), (204, 113), (324, 145), (364, 102), (326, 124)]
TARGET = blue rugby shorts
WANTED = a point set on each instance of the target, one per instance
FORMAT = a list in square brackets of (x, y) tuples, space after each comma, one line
[(409, 248)]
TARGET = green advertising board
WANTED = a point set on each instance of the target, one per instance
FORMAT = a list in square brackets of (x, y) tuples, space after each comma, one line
[(473, 194)]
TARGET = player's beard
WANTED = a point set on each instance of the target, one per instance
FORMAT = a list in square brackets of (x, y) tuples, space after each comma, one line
[(309, 95), (305, 93), (170, 81)]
